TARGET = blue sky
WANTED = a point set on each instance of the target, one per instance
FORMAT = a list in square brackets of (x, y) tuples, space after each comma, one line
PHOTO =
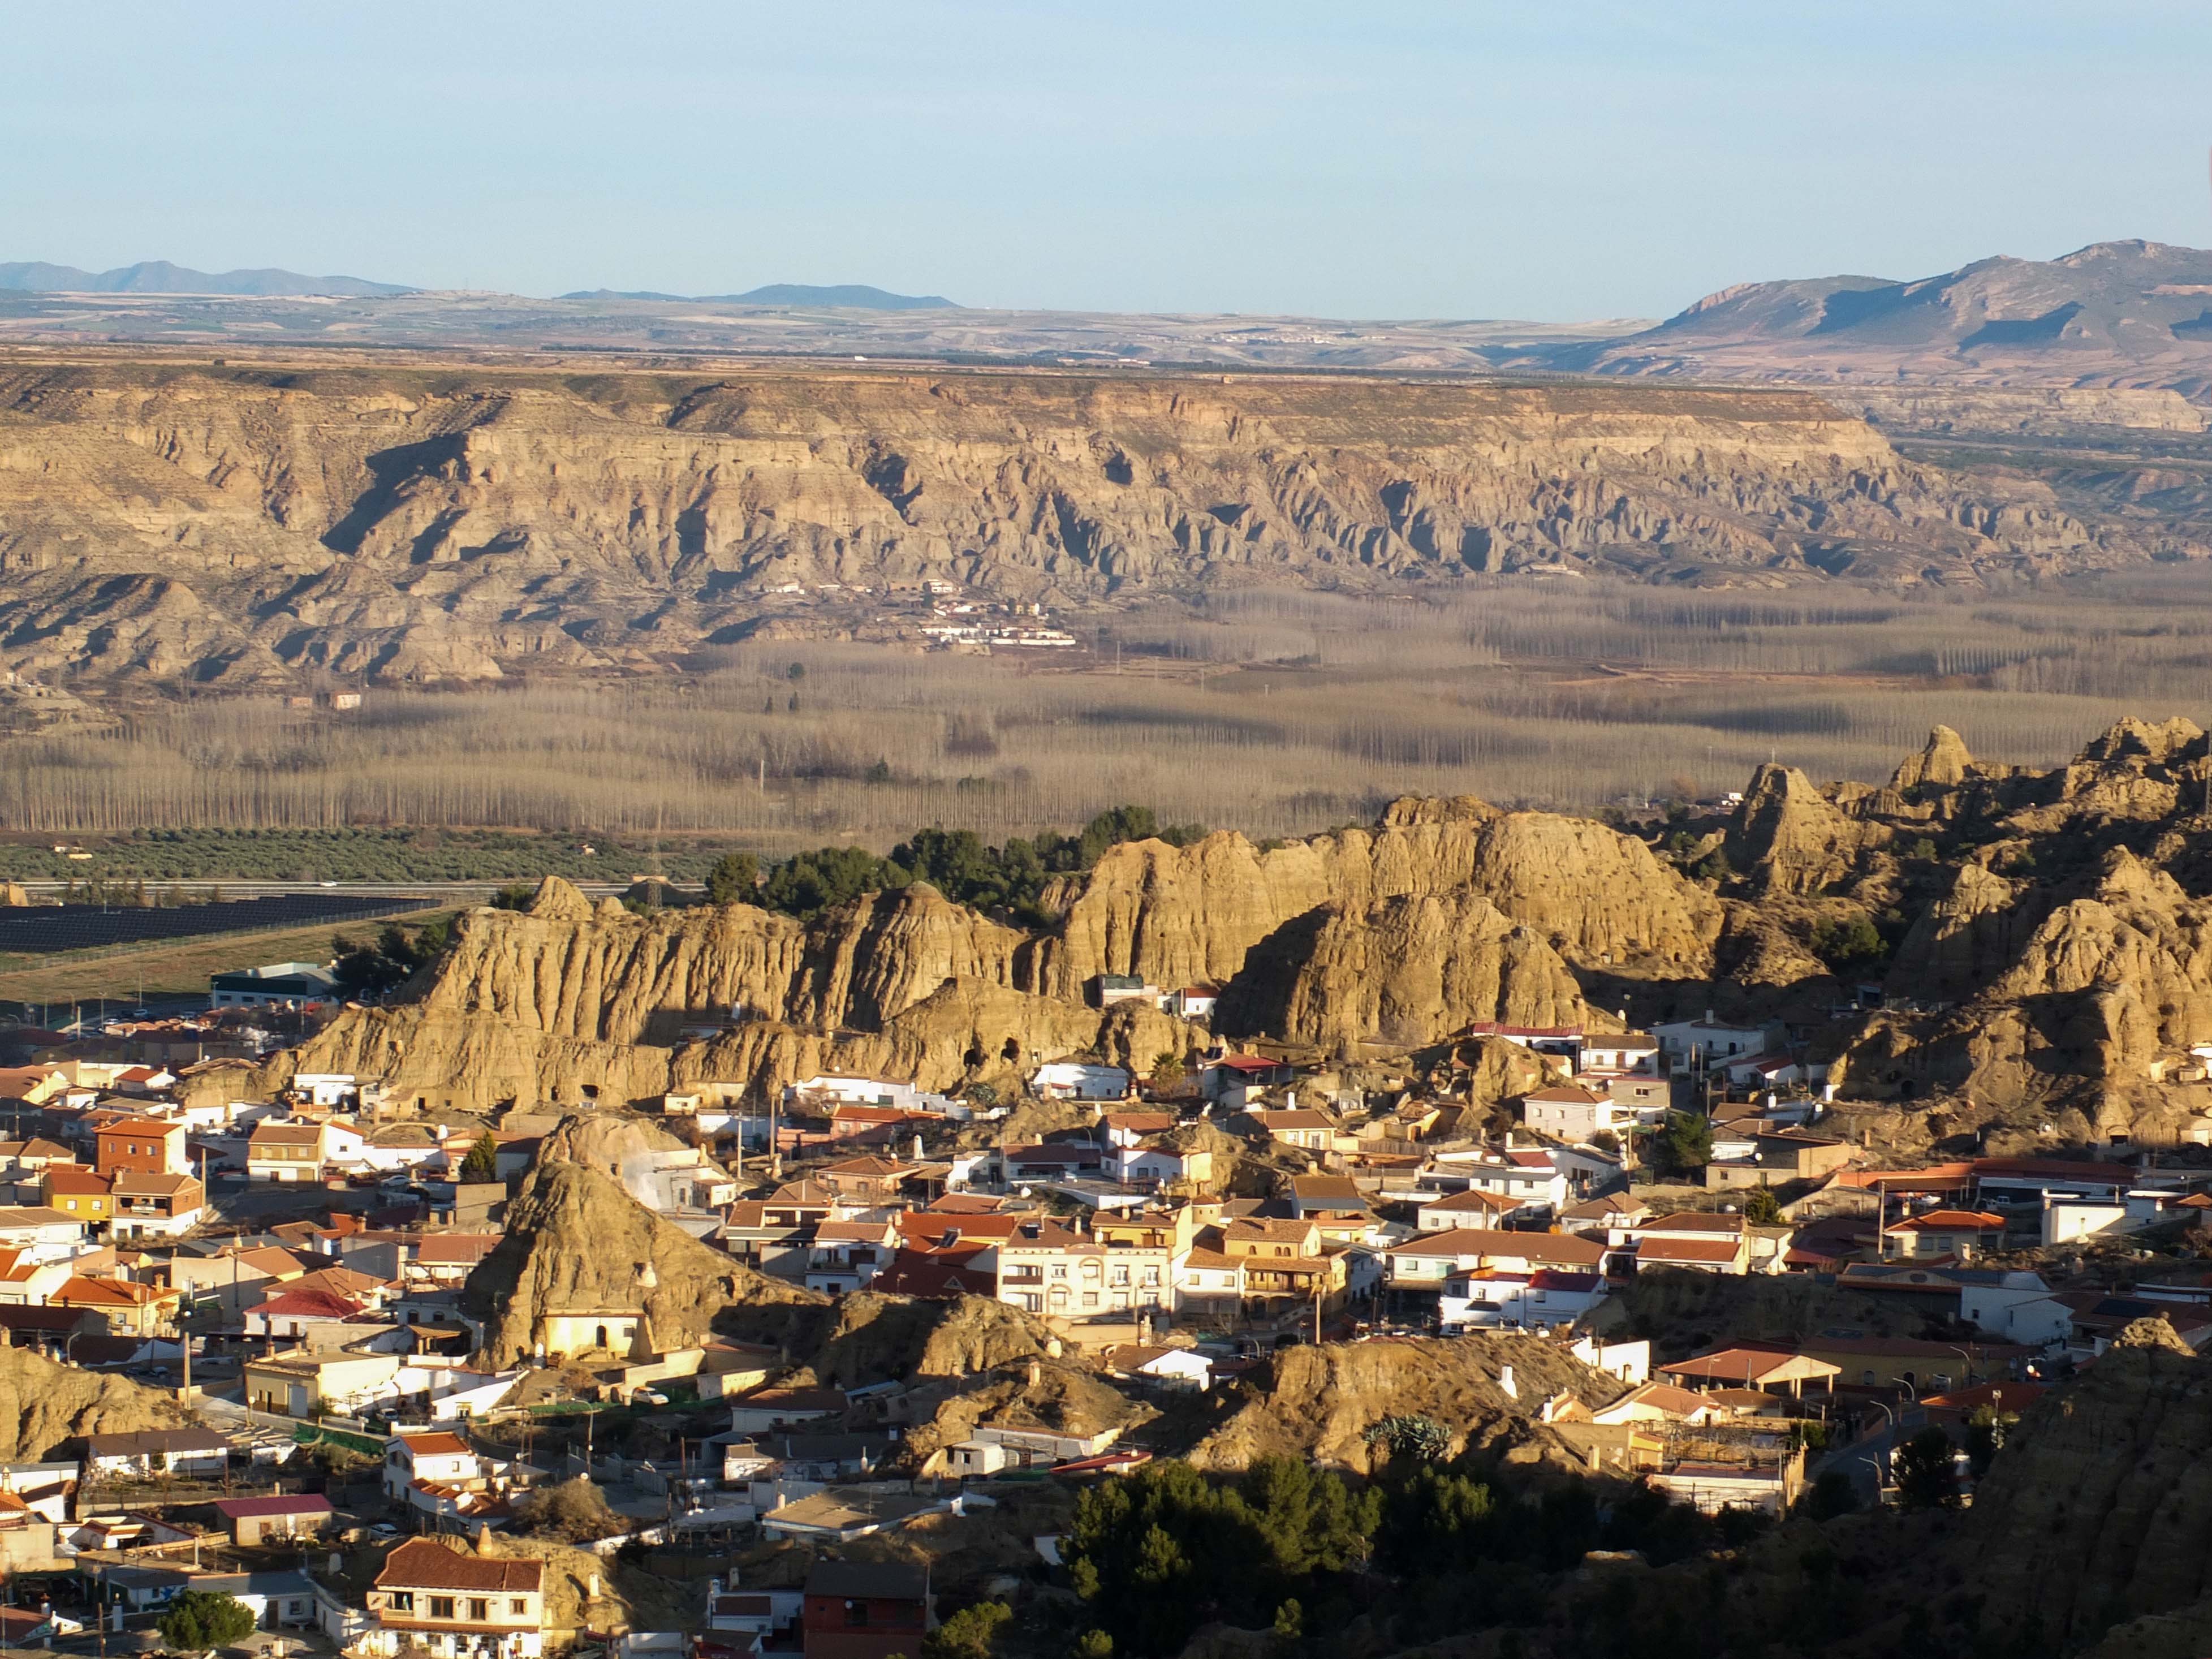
[(1369, 160)]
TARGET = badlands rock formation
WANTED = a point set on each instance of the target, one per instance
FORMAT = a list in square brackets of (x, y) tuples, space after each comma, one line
[(1321, 1401), (1411, 969), (239, 526), (576, 1243), (44, 1405), (2047, 938), (1441, 919), (2095, 1511)]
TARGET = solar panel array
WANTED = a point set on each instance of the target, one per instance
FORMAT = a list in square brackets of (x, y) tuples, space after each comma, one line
[(41, 930)]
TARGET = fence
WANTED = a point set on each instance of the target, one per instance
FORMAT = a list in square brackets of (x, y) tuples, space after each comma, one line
[(309, 1434)]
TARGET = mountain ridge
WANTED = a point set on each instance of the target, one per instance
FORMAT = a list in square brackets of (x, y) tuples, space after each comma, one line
[(857, 297), (161, 277), (2124, 312)]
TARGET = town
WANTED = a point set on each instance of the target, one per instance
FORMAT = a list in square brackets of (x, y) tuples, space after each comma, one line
[(336, 1432)]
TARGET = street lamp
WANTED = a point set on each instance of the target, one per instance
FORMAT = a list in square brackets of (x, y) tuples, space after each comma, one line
[(1868, 1459), (1967, 1359)]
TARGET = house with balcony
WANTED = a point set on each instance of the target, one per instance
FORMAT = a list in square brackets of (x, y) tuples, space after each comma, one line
[(1048, 1268), (456, 1605), (1285, 1262), (437, 1456), (1492, 1297), (154, 1205), (1426, 1261), (847, 1256), (121, 1307)]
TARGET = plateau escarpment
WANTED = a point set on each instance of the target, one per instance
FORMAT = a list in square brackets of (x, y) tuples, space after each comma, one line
[(241, 527)]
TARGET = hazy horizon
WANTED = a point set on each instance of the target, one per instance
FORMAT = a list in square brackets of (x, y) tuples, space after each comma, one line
[(1412, 162)]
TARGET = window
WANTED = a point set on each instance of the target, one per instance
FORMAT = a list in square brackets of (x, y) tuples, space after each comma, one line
[(856, 1612), (400, 1602), (519, 1606), (441, 1606), (479, 1609)]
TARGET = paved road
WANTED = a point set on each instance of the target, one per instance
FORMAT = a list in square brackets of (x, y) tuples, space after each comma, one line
[(1859, 1459)]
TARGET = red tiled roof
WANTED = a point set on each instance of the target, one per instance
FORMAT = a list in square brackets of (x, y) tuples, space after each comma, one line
[(425, 1564), (1565, 1250), (246, 1509), (1956, 1221), (306, 1303), (936, 1278), (1662, 1249)]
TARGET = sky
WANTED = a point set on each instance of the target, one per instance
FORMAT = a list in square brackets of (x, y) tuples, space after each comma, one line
[(1556, 160)]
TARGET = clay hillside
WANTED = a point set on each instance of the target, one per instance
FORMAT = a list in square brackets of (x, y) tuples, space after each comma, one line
[(2038, 934), (239, 527)]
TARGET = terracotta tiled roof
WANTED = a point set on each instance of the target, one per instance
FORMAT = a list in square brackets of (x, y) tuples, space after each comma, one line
[(1660, 1249), (425, 1564)]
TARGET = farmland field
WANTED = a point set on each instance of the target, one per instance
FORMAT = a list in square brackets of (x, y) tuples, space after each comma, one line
[(1274, 713)]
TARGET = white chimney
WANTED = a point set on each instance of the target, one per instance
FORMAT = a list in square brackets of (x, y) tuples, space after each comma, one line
[(1505, 1382)]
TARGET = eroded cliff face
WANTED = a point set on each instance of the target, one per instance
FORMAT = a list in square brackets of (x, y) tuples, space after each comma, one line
[(603, 974), (1411, 969), (1446, 915), (2093, 993), (576, 1243), (1790, 838), (2096, 1510), (244, 525), (1178, 916), (1321, 1401)]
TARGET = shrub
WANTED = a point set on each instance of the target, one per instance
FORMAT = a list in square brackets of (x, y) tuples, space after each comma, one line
[(483, 1162), (967, 1634), (1926, 1478), (200, 1619), (573, 1512), (734, 879), (1686, 1144), (1830, 1494)]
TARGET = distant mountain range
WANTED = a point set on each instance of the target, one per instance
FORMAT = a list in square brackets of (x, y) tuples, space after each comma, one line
[(2144, 304), (850, 296), (160, 277)]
